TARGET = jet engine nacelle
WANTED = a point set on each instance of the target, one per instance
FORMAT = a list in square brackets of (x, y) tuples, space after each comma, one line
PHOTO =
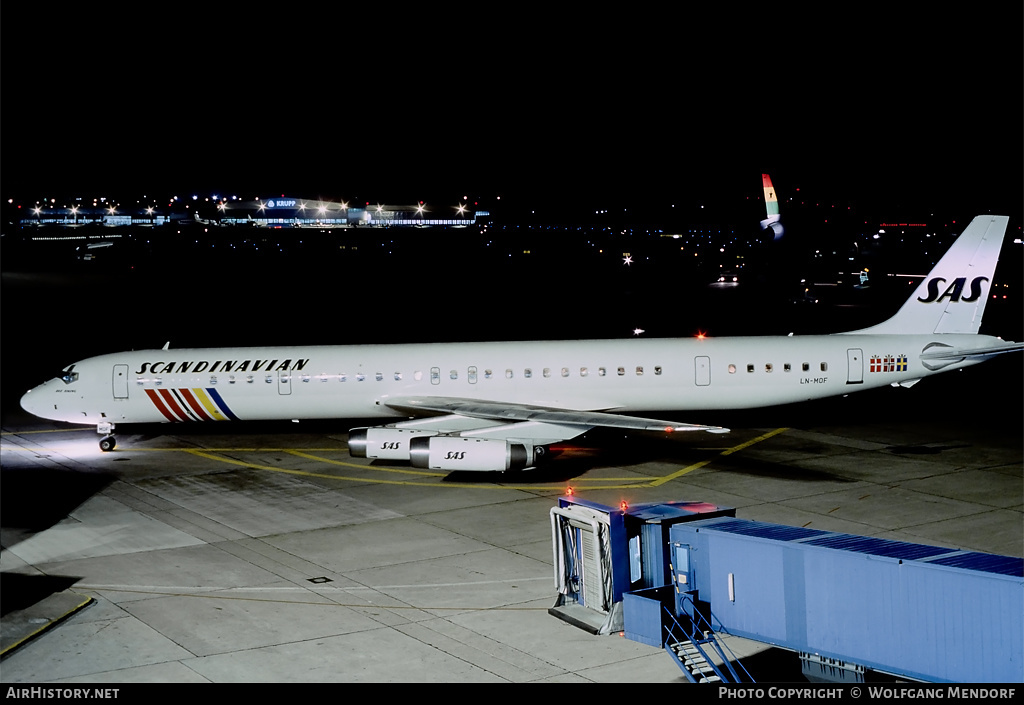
[(383, 443), (474, 454)]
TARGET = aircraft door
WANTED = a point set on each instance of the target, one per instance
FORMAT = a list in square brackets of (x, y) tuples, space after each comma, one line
[(855, 362), (682, 575), (702, 370), (284, 382), (120, 381)]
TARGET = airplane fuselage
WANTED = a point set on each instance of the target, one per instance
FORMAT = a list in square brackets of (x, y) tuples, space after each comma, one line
[(333, 382), (496, 406)]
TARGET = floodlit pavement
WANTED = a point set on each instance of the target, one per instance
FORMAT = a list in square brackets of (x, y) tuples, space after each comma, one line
[(275, 557)]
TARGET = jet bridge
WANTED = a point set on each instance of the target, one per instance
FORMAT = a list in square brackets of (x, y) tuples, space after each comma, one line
[(845, 603), (602, 552)]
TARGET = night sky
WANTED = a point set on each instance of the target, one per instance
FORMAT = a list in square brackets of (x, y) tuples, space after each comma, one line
[(893, 114), (899, 111)]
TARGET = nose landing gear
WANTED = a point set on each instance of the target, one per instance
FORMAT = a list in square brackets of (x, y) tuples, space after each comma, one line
[(108, 441)]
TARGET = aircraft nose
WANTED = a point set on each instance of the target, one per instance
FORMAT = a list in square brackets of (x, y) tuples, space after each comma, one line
[(32, 401), (28, 401)]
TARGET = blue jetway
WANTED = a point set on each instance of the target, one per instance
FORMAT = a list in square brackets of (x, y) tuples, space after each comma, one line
[(843, 602), (602, 552)]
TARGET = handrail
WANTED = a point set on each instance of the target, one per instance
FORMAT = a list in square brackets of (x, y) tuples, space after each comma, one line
[(698, 629), (671, 640)]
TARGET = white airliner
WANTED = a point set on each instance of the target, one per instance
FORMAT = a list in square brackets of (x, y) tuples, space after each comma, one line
[(498, 405)]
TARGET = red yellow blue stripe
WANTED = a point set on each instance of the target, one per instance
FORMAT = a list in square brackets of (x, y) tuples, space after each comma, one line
[(191, 404)]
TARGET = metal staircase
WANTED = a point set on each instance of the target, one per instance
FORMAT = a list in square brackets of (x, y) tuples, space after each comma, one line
[(691, 659), (702, 657)]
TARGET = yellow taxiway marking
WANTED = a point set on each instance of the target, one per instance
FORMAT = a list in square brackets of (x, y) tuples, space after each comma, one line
[(728, 451), (316, 603), (421, 473), (753, 441), (46, 430), (47, 624), (215, 454), (372, 480)]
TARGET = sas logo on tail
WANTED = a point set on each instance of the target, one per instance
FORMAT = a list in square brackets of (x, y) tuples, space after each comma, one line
[(954, 291)]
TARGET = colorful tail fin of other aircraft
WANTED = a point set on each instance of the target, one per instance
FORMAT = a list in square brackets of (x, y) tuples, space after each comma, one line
[(771, 202)]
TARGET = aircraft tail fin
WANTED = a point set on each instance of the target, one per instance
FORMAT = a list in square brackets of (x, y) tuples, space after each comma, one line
[(952, 298), (771, 202)]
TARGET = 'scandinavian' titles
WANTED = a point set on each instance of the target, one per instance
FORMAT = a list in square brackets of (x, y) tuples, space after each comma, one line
[(166, 368)]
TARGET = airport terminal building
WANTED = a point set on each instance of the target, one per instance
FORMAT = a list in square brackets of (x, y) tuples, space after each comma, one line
[(296, 212), (280, 212)]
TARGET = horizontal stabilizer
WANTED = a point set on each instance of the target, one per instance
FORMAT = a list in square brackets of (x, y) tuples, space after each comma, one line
[(950, 353)]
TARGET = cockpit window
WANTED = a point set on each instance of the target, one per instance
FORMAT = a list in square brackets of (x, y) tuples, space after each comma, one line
[(68, 376)]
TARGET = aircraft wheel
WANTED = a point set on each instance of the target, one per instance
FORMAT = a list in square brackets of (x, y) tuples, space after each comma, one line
[(107, 443)]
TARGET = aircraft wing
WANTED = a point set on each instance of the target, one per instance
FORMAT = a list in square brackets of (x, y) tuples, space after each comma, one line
[(506, 412)]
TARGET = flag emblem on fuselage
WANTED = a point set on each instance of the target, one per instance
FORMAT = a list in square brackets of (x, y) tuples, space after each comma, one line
[(888, 363), (191, 404)]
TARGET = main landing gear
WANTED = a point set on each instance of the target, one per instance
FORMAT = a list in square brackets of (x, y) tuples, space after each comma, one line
[(108, 441)]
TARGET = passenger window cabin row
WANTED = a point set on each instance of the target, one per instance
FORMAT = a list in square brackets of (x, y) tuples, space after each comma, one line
[(472, 375), (786, 367)]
